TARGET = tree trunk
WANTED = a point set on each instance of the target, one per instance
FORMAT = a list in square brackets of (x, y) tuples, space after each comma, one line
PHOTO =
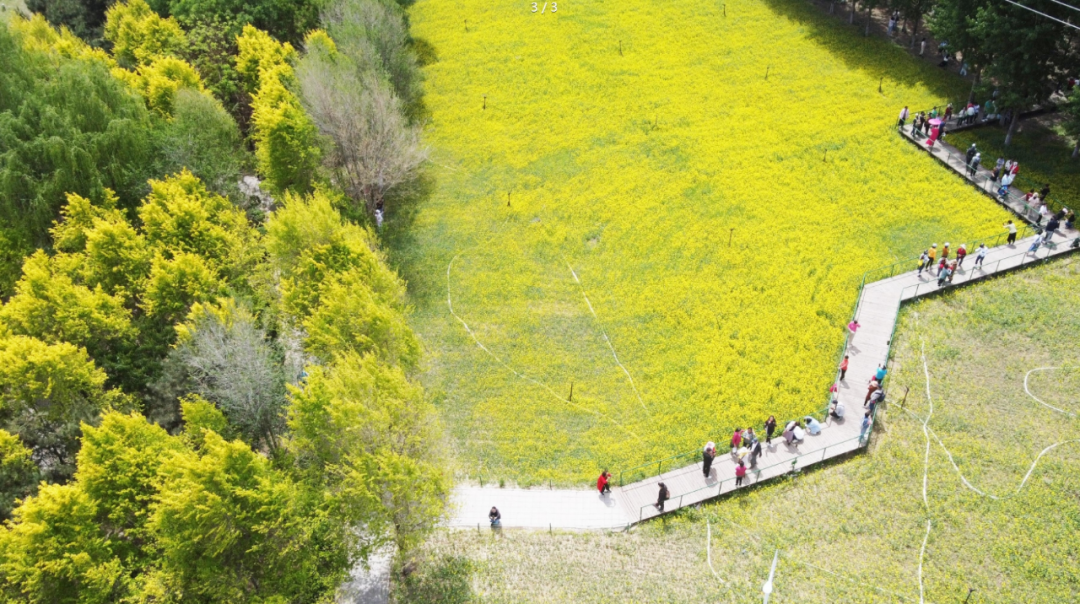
[(869, 18), (1076, 149), (974, 82), (1012, 126), (914, 32), (832, 7), (851, 16)]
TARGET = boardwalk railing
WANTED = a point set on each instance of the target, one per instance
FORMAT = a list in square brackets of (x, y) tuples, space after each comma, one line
[(818, 455), (1014, 198), (644, 470), (910, 292)]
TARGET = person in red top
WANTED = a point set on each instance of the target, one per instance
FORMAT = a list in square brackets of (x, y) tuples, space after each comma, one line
[(602, 483), (961, 253), (843, 367), (736, 439), (740, 473)]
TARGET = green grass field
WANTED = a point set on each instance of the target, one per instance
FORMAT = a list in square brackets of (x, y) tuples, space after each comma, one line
[(684, 237), (1045, 156), (853, 531)]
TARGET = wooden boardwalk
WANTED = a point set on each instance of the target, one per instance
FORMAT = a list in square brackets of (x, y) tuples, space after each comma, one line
[(878, 307), (876, 311)]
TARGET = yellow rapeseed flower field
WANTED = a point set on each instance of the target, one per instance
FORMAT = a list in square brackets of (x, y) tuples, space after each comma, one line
[(621, 202)]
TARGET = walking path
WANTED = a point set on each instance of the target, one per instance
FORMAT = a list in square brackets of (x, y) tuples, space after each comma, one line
[(955, 160), (878, 306), (876, 311)]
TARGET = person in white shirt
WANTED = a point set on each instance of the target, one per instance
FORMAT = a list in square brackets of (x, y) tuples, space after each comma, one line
[(837, 410), (980, 254)]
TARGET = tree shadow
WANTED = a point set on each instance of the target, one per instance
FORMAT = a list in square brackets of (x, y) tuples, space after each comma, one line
[(871, 55), (445, 579)]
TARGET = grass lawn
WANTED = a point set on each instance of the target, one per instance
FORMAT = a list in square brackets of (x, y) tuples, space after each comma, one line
[(853, 531), (1045, 156), (622, 203)]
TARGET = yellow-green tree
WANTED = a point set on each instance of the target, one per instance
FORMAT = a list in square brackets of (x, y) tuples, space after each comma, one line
[(286, 141)]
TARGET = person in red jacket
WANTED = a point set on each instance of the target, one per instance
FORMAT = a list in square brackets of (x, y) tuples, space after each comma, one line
[(603, 483), (961, 253), (740, 473)]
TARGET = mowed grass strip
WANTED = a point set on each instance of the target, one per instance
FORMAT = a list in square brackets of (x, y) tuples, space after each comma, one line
[(718, 221)]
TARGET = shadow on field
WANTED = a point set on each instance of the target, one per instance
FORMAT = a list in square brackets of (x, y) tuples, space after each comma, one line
[(872, 55), (401, 211), (444, 579)]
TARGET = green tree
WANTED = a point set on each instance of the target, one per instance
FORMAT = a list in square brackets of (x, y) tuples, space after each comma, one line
[(66, 126), (204, 139), (309, 242), (139, 35), (231, 528), (119, 467), (363, 431), (18, 473), (54, 551), (350, 317), (46, 392), (1072, 120)]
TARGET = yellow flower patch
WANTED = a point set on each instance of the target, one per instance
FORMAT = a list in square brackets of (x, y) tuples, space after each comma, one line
[(718, 222)]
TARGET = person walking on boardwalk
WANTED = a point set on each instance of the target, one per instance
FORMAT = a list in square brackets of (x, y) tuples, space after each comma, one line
[(662, 496), (844, 366), (903, 117), (942, 265), (603, 484), (755, 452), (952, 270), (736, 440), (924, 259), (1045, 191), (707, 457), (961, 253), (945, 251), (932, 253), (770, 427), (969, 154), (852, 328), (1035, 245), (973, 165), (740, 473), (879, 374), (1051, 229), (980, 254), (865, 426), (1012, 233)]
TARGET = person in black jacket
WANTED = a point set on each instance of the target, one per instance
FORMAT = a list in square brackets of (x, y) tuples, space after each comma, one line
[(707, 457), (663, 496)]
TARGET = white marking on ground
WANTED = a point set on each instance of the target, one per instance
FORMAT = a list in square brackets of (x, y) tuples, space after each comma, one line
[(450, 306), (606, 338), (1039, 400), (926, 474)]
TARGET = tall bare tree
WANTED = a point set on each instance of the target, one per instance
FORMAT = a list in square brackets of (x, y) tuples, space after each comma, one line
[(375, 148)]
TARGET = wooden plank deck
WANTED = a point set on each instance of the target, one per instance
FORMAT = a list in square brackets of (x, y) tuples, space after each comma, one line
[(877, 314), (877, 310)]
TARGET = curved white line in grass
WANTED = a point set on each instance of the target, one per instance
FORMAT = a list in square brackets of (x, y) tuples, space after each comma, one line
[(450, 306), (708, 551), (606, 338), (967, 483), (926, 472), (1039, 400)]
